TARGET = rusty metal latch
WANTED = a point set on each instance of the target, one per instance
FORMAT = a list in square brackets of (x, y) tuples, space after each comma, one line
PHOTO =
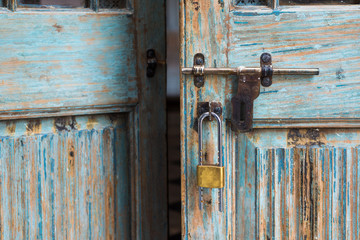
[(210, 176), (151, 63), (250, 79)]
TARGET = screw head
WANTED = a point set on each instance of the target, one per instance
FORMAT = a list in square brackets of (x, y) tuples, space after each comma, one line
[(266, 57), (199, 81), (202, 111), (218, 110), (199, 61), (150, 53), (266, 82)]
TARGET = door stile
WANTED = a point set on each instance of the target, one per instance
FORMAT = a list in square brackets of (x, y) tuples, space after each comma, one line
[(152, 215), (203, 30)]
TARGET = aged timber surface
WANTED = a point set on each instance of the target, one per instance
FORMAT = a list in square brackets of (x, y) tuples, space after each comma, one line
[(66, 178), (72, 59), (327, 38), (298, 184), (258, 200)]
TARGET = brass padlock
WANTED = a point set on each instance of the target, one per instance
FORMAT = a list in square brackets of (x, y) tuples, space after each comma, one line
[(210, 176)]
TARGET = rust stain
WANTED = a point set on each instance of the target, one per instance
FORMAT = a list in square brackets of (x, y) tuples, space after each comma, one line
[(91, 123), (58, 28), (305, 137), (221, 3), (10, 128), (65, 124), (196, 5), (33, 127), (307, 195), (71, 157)]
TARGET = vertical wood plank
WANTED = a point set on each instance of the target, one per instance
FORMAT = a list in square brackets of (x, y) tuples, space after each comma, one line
[(307, 193), (72, 184), (206, 21), (151, 121), (244, 185)]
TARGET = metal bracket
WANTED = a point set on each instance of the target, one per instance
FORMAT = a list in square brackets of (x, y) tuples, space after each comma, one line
[(243, 103), (151, 63), (266, 69), (199, 65), (248, 91)]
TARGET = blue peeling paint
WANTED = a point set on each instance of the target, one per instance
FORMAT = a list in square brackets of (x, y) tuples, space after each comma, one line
[(250, 14), (250, 44), (238, 22), (293, 50)]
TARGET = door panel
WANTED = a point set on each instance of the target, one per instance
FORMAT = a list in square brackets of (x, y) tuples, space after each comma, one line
[(59, 64), (67, 178), (304, 185), (301, 37), (296, 174)]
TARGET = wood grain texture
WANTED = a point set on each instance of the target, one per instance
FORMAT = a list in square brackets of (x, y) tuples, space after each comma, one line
[(71, 59), (295, 184), (151, 218), (66, 178), (327, 38), (229, 36), (61, 62), (200, 32), (308, 193)]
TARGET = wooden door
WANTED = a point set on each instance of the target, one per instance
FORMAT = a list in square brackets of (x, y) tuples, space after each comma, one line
[(296, 175), (82, 152)]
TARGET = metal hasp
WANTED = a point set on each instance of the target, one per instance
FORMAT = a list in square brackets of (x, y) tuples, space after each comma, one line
[(210, 176), (198, 69), (249, 82), (248, 91), (204, 107), (151, 63)]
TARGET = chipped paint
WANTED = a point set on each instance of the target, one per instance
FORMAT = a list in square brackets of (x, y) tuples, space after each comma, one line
[(10, 128), (58, 27), (91, 123), (57, 69), (305, 137), (62, 71), (33, 127), (60, 189), (296, 175)]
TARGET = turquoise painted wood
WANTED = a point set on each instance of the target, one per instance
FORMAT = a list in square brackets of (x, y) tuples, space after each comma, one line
[(296, 175), (71, 57), (66, 178), (78, 159)]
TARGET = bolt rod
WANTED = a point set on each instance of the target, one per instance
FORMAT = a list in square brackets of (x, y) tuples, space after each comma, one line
[(247, 70)]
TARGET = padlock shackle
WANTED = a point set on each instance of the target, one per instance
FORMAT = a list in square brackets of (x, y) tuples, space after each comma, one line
[(201, 119)]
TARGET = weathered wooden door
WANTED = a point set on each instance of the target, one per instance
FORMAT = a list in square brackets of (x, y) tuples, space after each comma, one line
[(296, 175), (82, 136)]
